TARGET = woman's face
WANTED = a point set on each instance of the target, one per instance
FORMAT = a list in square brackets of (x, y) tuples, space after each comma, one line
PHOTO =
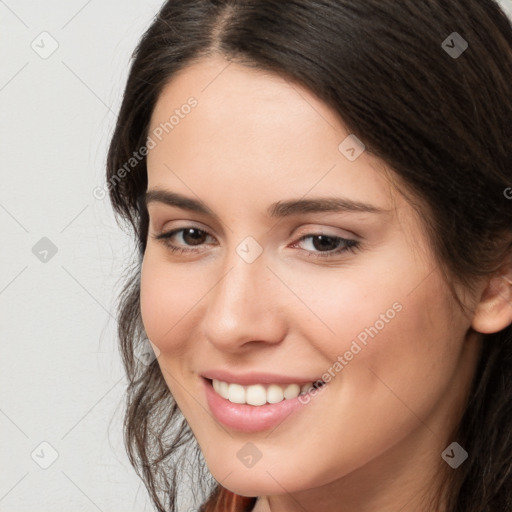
[(279, 288)]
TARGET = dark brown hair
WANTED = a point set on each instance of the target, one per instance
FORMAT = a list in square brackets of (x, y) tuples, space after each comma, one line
[(441, 122)]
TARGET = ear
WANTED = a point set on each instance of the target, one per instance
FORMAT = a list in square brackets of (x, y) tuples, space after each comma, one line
[(494, 310)]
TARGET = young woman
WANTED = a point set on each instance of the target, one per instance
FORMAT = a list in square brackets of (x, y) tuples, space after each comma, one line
[(321, 196)]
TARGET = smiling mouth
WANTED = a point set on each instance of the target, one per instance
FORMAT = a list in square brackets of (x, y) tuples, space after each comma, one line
[(261, 394)]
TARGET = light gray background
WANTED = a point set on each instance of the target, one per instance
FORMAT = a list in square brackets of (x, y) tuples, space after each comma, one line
[(61, 380)]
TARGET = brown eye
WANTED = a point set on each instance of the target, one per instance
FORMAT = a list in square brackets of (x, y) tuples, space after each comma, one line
[(325, 243), (184, 240), (194, 236), (325, 246)]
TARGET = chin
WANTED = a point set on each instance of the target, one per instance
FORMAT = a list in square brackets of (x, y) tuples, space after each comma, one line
[(263, 481)]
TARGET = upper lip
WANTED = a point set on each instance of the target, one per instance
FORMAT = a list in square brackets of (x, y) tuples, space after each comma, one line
[(249, 378)]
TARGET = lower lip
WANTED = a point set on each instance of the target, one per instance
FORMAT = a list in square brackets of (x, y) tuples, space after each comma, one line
[(250, 418)]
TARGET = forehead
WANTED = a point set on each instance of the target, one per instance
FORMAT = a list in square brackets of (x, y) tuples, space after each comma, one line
[(255, 133)]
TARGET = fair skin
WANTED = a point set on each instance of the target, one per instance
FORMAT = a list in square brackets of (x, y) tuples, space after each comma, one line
[(372, 439)]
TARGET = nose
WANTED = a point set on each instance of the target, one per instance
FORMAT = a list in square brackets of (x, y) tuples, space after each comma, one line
[(244, 307)]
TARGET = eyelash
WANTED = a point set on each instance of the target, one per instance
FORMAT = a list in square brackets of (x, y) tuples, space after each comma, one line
[(349, 245)]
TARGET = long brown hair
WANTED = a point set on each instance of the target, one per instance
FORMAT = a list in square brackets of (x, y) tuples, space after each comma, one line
[(439, 114)]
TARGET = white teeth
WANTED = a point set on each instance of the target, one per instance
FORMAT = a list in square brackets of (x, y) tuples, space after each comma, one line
[(236, 394), (258, 394), (292, 391), (275, 394), (306, 388), (255, 395), (224, 389)]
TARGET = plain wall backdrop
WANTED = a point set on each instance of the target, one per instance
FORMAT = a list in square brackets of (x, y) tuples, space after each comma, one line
[(62, 255)]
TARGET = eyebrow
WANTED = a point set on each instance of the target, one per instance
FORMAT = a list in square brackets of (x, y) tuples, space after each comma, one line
[(280, 209)]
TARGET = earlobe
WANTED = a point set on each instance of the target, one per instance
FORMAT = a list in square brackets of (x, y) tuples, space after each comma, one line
[(494, 310)]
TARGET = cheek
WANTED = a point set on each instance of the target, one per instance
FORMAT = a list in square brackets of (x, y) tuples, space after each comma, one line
[(166, 298), (381, 321), (341, 306), (405, 363)]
